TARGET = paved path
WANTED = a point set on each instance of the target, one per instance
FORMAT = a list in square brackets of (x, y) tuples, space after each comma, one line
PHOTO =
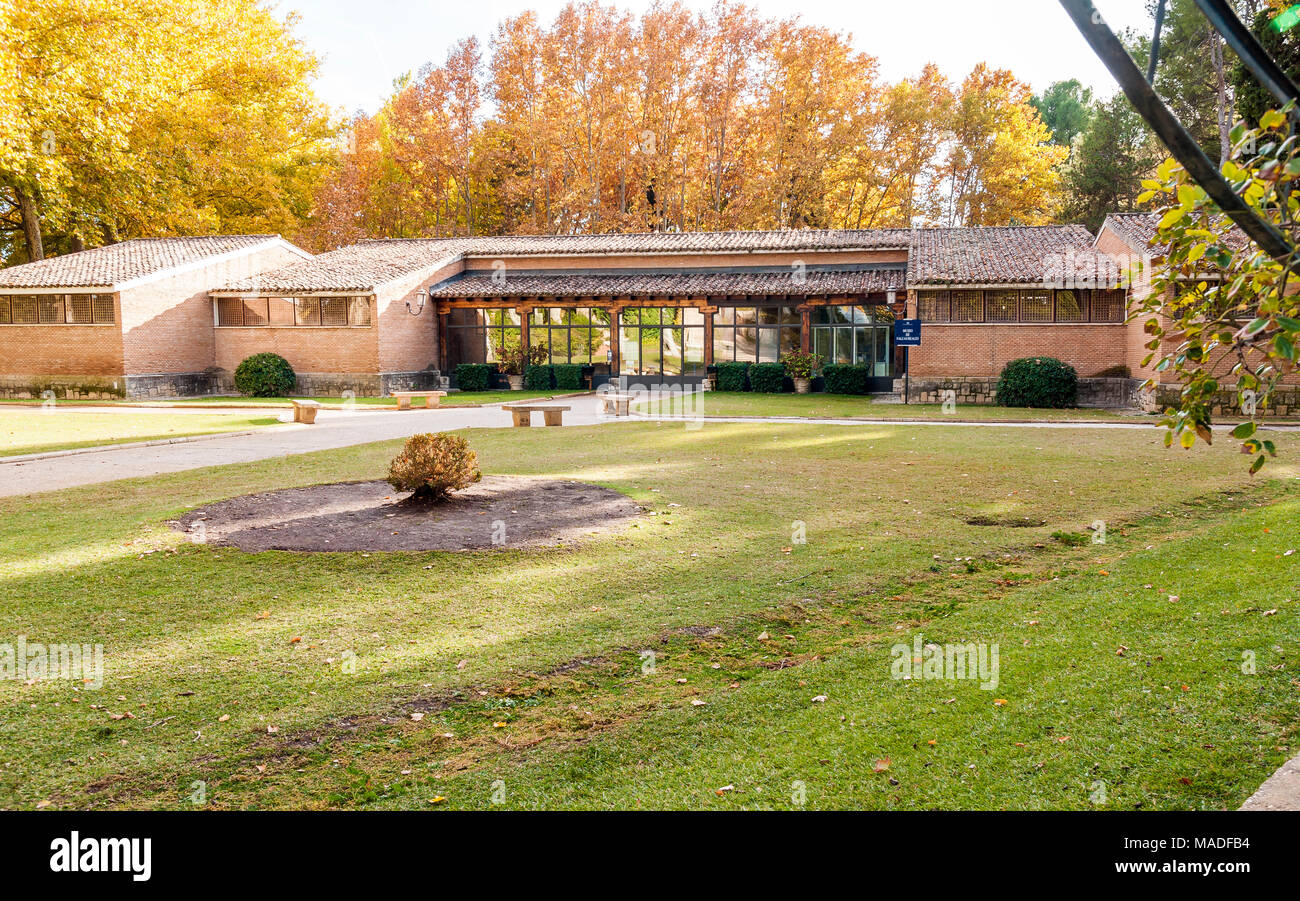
[(1280, 792), (333, 429), (340, 428)]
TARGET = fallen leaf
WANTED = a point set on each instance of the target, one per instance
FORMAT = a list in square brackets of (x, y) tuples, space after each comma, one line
[(696, 702), (223, 718), (439, 799), (999, 702), (881, 765), (417, 716), (820, 699)]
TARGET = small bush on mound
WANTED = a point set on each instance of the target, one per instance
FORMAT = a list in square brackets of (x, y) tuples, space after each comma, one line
[(537, 377), (473, 376), (843, 378), (568, 375), (265, 375), (733, 376), (1041, 382), (433, 466), (767, 378)]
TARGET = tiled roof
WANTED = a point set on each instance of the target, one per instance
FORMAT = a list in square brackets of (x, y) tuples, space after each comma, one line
[(117, 264), (1139, 230), (994, 256), (937, 256), (681, 284), (369, 264), (359, 267)]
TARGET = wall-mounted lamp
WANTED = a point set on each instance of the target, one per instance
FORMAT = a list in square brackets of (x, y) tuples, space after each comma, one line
[(422, 298), (891, 297)]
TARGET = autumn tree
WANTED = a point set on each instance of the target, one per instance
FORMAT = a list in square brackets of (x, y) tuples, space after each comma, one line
[(136, 117), (1002, 166)]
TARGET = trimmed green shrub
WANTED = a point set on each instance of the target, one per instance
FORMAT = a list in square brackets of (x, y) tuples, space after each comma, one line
[(568, 375), (265, 375), (537, 377), (844, 378), (733, 376), (767, 378), (473, 376), (1041, 382)]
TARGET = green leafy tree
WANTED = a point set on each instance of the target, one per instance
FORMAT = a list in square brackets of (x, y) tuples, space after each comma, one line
[(1253, 100), (1066, 108), (1222, 315), (1115, 153)]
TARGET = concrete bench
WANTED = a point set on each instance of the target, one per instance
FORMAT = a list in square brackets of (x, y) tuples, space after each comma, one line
[(304, 411), (616, 403), (523, 413), (431, 398)]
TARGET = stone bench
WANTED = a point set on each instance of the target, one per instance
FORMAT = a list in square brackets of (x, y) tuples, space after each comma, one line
[(431, 398), (523, 413), (304, 411), (615, 403)]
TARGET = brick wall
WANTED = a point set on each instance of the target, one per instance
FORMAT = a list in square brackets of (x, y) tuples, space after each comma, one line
[(167, 324), (983, 350), (74, 361), (409, 344), (339, 353)]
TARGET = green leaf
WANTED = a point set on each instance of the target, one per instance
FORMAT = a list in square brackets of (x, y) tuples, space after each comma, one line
[(1245, 430), (1257, 465)]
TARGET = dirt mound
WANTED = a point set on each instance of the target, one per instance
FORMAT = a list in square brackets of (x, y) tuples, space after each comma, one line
[(499, 512)]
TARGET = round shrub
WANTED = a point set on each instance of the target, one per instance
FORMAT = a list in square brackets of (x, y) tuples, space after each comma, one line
[(845, 378), (473, 376), (1042, 382), (265, 375), (433, 466)]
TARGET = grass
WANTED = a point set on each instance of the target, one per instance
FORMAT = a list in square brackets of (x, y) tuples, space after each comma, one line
[(31, 432), (454, 399), (200, 643), (840, 406)]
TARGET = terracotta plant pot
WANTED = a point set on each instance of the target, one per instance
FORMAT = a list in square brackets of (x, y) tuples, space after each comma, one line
[(516, 382), (802, 386)]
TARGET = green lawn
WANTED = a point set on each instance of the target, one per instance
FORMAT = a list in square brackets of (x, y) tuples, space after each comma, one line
[(30, 432), (840, 406), (199, 642)]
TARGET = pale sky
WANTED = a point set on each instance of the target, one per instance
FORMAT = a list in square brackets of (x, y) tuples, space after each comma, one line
[(367, 44)]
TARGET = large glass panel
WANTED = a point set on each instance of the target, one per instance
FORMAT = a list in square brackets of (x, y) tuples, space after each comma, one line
[(824, 344), (4, 311), (230, 311), (790, 340), (967, 306), (693, 362), (629, 347), (843, 345), (102, 308), (308, 312), (746, 345), (24, 310), (673, 350), (51, 308), (768, 315), (767, 345), (864, 346), (79, 308), (1071, 306), (884, 352)]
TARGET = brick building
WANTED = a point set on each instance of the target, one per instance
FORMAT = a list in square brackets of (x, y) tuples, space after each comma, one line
[(647, 308)]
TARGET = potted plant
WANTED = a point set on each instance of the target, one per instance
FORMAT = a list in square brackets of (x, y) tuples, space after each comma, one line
[(514, 358), (801, 366)]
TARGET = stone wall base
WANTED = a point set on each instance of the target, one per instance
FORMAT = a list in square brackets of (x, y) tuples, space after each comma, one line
[(360, 384), (171, 384), (1284, 401), (424, 380), (1113, 393), (64, 387)]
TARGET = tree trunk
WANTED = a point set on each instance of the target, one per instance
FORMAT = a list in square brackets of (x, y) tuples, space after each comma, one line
[(1221, 96), (31, 225)]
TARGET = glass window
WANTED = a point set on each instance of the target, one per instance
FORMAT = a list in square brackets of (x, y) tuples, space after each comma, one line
[(102, 307), (255, 310), (24, 310), (280, 311), (79, 308), (308, 311), (359, 311), (230, 311), (1071, 306), (1108, 306), (654, 341), (967, 306), (51, 308), (932, 306), (334, 311), (1035, 306), (4, 311), (1001, 306)]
